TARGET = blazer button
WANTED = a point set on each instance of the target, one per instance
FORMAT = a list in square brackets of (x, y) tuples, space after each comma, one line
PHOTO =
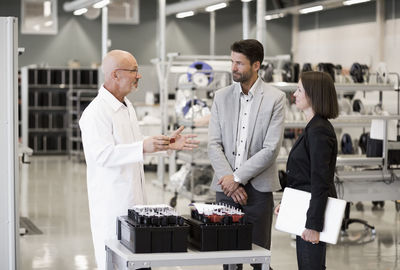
[(288, 171)]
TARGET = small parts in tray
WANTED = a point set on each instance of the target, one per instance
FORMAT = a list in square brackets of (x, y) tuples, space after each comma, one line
[(151, 229), (217, 214), (155, 215)]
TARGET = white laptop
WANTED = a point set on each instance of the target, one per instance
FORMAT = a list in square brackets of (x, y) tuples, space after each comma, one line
[(293, 214)]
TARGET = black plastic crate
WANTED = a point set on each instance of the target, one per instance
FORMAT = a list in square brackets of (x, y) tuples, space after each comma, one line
[(94, 77), (75, 78), (32, 120), (59, 98), (214, 237), (140, 238), (31, 98), (42, 76), (43, 120), (66, 76), (63, 140), (51, 143), (58, 120), (31, 76), (56, 76), (85, 77), (43, 98)]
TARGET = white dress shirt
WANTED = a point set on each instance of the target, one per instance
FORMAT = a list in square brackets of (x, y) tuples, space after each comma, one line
[(246, 102), (113, 147)]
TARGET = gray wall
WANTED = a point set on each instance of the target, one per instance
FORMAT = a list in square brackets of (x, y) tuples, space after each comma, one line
[(77, 38), (80, 38)]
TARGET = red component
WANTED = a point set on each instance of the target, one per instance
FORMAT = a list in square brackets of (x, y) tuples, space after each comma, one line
[(236, 218), (172, 140), (215, 218)]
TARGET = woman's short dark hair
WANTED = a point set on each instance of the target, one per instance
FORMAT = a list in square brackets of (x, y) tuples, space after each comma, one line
[(251, 48), (320, 89)]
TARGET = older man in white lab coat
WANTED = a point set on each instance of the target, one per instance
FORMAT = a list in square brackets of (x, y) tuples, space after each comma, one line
[(114, 149)]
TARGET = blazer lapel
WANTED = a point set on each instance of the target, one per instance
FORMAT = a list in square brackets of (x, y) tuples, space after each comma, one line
[(299, 139), (258, 97), (235, 114)]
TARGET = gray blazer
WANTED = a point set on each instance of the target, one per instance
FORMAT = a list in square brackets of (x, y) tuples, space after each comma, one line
[(264, 137)]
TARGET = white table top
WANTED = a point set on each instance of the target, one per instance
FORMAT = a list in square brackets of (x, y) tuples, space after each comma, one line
[(192, 257)]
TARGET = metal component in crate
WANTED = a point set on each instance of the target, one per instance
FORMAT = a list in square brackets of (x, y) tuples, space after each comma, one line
[(157, 215), (151, 229), (219, 227)]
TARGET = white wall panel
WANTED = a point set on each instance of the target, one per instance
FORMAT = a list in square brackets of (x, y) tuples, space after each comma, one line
[(392, 45), (350, 43), (340, 45), (8, 138)]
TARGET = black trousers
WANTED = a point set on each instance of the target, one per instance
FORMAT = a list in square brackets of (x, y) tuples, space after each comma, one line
[(259, 211), (310, 256)]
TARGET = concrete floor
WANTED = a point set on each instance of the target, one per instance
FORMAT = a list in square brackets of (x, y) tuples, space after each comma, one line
[(54, 198)]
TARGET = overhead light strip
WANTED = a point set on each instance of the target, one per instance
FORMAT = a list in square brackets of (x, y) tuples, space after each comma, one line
[(80, 11), (311, 9), (353, 2), (185, 14), (274, 16), (101, 4), (216, 7)]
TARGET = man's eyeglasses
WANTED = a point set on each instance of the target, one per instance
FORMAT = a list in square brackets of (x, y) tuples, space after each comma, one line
[(130, 70)]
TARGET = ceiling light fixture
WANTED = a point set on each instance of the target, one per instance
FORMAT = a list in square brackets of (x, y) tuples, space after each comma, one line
[(274, 16), (245, 1), (352, 2), (311, 9), (216, 7), (46, 8), (80, 11), (101, 4), (185, 14)]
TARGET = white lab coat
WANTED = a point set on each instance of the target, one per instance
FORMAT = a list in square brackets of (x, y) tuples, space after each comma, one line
[(113, 147)]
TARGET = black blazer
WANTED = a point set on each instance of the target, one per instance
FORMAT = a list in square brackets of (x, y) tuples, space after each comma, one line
[(311, 167)]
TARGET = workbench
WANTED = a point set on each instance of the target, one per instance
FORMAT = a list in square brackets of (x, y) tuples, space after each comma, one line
[(121, 258)]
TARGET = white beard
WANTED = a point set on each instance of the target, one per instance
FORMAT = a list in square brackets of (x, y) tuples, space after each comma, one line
[(133, 88)]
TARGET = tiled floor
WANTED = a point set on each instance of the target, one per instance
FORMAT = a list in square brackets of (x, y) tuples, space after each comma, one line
[(53, 196)]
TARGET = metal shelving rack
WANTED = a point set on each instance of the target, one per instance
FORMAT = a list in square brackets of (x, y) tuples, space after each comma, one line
[(83, 89), (340, 87), (351, 121), (189, 157), (178, 65), (358, 177), (78, 100), (346, 121), (354, 178), (46, 107)]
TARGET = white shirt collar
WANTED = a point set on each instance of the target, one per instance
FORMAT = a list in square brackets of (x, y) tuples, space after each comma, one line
[(253, 89), (110, 99)]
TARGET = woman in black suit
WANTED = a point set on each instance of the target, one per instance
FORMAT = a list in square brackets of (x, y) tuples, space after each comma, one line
[(312, 160)]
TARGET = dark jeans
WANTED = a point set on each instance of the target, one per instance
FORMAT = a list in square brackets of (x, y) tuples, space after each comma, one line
[(259, 210), (310, 256)]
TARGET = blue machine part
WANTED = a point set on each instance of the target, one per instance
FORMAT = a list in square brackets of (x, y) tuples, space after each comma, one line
[(188, 105), (200, 67)]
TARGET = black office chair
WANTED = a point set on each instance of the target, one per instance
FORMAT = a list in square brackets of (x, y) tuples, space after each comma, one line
[(347, 221)]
